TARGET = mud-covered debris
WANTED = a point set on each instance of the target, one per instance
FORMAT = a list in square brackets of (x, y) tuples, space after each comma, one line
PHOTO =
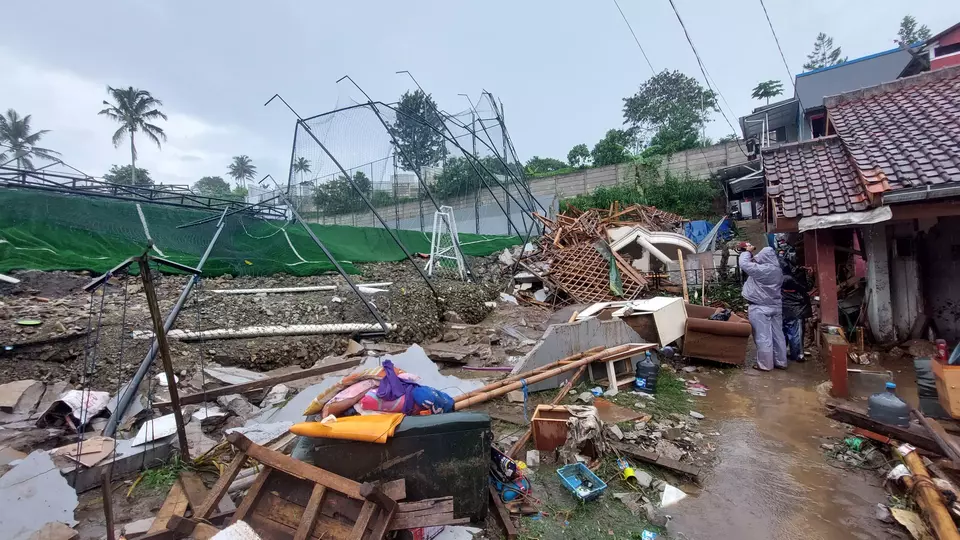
[(238, 405)]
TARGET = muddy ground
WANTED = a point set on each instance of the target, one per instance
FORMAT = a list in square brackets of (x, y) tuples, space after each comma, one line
[(50, 329)]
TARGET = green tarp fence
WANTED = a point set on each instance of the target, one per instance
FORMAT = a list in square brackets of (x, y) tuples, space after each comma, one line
[(45, 231)]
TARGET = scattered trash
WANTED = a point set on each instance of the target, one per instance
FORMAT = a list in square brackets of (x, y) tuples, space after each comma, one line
[(276, 396), (155, 428), (533, 459), (89, 452), (632, 500), (697, 415), (263, 434), (509, 298), (162, 379), (671, 495), (596, 391), (581, 481), (648, 535), (586, 397)]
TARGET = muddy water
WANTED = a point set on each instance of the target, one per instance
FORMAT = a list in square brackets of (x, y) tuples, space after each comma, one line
[(771, 480)]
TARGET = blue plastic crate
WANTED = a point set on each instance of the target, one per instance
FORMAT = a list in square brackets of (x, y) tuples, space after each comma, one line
[(576, 477)]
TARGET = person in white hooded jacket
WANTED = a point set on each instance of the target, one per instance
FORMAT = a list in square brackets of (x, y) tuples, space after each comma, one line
[(762, 291)]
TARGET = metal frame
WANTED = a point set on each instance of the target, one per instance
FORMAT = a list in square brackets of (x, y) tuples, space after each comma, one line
[(76, 185)]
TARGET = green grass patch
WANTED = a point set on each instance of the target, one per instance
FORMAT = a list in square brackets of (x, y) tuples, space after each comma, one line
[(162, 478), (566, 517)]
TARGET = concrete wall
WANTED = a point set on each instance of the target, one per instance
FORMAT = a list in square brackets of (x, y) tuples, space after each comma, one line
[(905, 287), (701, 163)]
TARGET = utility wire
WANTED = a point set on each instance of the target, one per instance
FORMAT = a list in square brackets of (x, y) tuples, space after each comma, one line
[(782, 56), (635, 38), (706, 77)]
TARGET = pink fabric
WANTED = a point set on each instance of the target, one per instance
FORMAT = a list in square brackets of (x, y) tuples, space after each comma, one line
[(355, 390), (370, 402)]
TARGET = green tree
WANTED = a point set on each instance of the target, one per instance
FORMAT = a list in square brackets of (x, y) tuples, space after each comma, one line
[(909, 33), (126, 176), (134, 110), (239, 193), (242, 170), (671, 105), (212, 186), (338, 196), (824, 54), (18, 141), (537, 164), (767, 90), (417, 130), (728, 138), (578, 155), (613, 148), (301, 166)]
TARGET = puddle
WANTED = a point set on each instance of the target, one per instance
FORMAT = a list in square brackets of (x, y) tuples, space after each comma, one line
[(771, 479)]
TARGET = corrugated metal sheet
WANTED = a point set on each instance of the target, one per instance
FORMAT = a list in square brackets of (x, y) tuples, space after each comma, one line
[(815, 85)]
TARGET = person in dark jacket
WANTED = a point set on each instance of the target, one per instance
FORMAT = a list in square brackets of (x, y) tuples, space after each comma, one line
[(796, 309)]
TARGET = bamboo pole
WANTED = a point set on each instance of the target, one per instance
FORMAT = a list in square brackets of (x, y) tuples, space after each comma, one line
[(527, 374), (929, 498), (522, 441), (683, 276), (703, 284), (485, 396)]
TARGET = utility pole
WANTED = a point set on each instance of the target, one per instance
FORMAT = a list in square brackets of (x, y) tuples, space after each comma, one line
[(164, 348)]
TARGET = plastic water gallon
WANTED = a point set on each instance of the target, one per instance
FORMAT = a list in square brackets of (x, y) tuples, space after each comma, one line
[(886, 407), (648, 368)]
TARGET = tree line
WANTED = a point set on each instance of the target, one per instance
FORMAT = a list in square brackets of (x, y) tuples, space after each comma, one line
[(670, 110)]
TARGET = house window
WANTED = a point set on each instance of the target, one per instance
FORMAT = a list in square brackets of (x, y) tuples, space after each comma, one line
[(818, 125), (946, 49), (904, 247)]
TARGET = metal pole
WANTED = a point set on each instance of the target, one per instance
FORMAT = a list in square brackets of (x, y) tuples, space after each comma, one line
[(451, 138), (160, 335), (336, 264), (124, 399), (369, 205), (476, 194)]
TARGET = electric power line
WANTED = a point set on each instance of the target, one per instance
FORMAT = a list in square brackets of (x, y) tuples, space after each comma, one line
[(635, 38), (706, 78), (782, 57)]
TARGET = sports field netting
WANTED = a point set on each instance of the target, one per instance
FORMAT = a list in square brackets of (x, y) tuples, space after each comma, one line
[(44, 231)]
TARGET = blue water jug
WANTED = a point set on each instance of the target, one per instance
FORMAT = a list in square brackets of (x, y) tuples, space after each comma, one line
[(886, 407), (648, 368)]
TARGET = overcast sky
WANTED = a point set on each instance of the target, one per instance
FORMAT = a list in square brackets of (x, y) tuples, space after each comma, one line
[(560, 67)]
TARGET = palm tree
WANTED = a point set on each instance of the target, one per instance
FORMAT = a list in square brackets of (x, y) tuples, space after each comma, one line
[(301, 165), (242, 169), (15, 135), (134, 109)]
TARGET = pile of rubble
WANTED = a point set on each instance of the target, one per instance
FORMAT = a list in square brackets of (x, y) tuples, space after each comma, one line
[(594, 256)]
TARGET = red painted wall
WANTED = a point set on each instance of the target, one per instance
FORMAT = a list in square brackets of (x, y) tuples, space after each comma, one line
[(951, 60)]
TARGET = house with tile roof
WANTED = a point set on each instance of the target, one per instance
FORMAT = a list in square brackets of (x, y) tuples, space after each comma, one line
[(883, 184)]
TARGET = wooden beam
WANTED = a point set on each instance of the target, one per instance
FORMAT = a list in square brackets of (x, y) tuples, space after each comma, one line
[(252, 496), (396, 490), (220, 488), (310, 513), (827, 277), (857, 416), (262, 383), (164, 348), (174, 505), (658, 460), (502, 515), (193, 488)]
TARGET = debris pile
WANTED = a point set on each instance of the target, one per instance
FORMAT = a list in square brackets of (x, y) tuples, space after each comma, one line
[(576, 258)]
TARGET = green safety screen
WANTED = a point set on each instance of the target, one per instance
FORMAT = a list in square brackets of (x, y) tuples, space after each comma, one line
[(47, 231)]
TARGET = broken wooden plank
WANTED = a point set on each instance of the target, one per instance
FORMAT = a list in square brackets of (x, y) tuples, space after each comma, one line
[(295, 467), (174, 505), (262, 383), (195, 529), (193, 488), (857, 416), (388, 507), (287, 514), (220, 488), (310, 514), (656, 459), (366, 514), (252, 496), (502, 515)]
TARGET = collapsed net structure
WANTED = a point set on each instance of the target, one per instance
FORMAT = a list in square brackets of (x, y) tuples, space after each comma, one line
[(41, 230), (393, 166)]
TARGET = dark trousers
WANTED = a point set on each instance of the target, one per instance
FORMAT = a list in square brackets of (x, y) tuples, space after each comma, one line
[(793, 332)]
